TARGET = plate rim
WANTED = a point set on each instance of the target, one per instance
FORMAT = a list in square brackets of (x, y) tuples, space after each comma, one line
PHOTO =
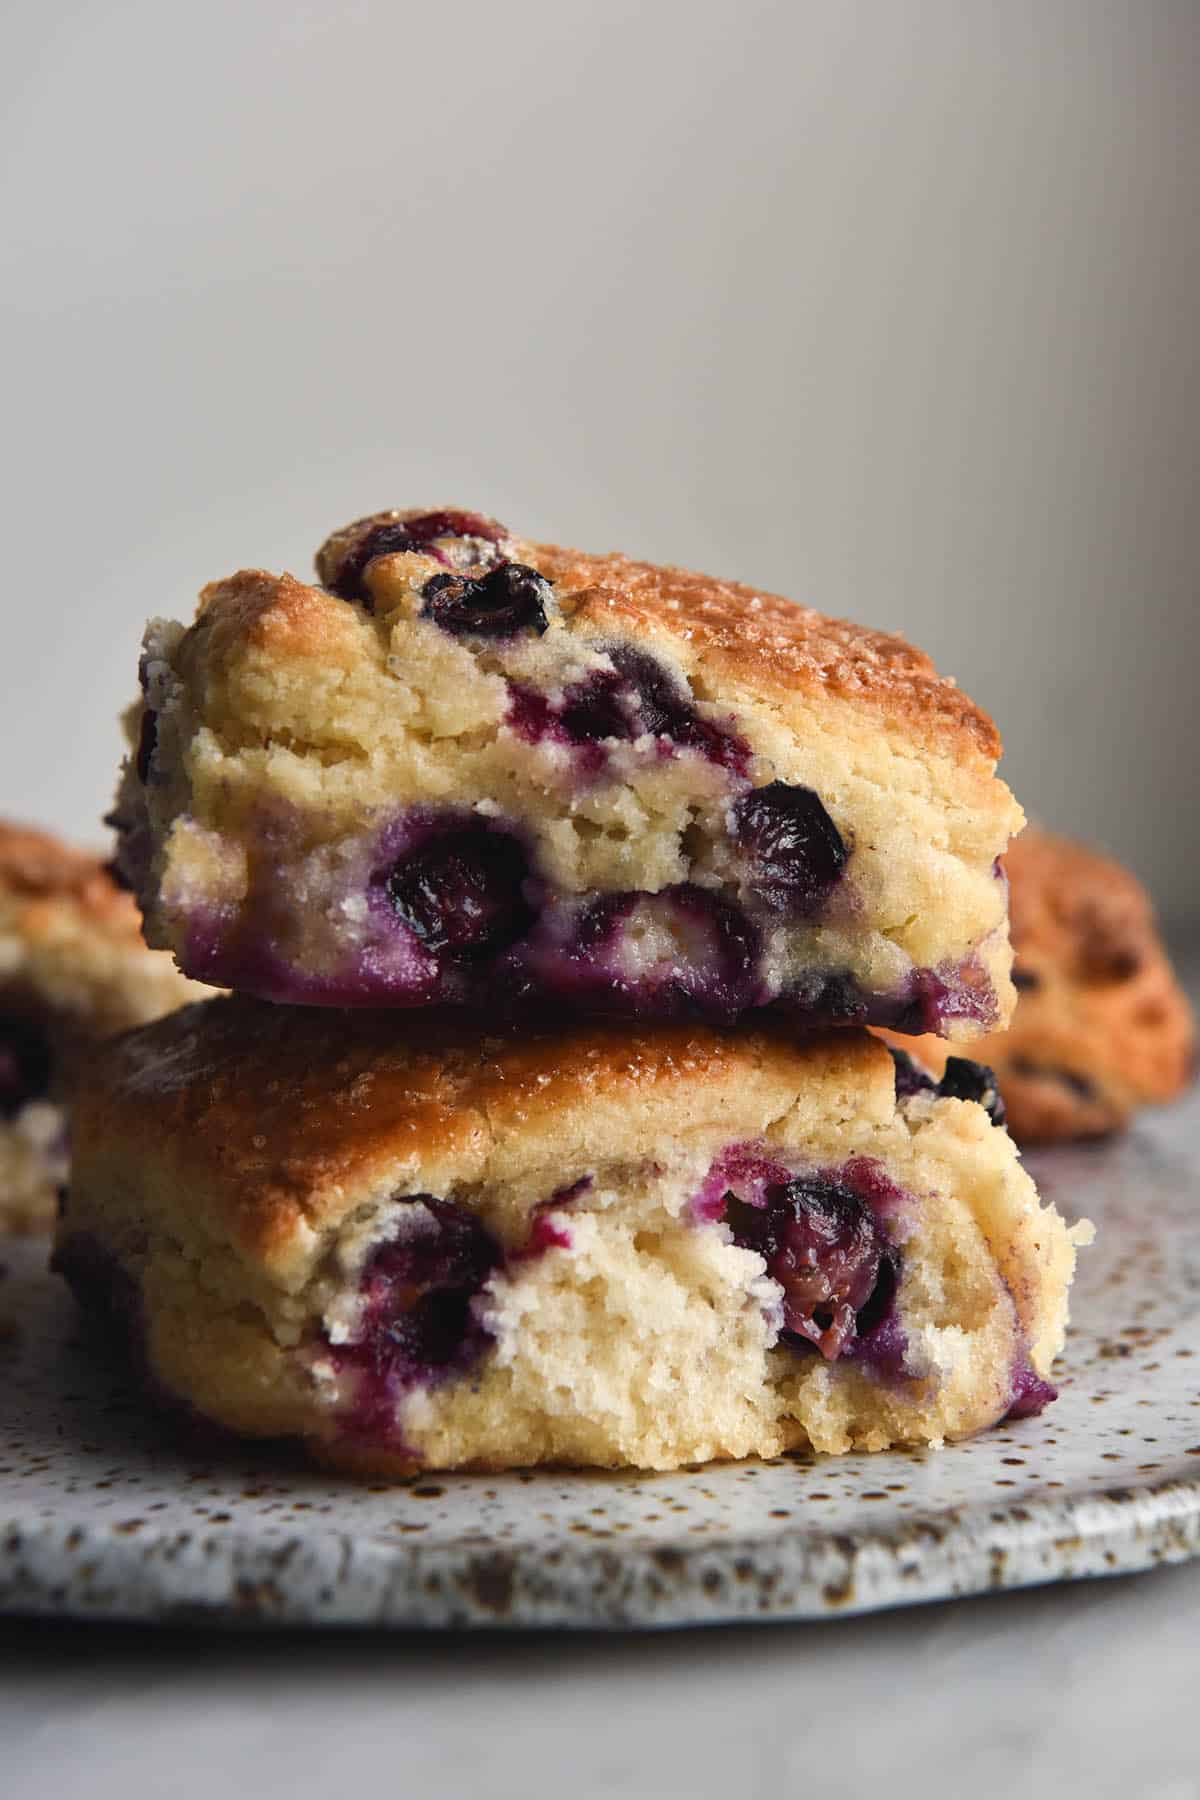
[(216, 1578)]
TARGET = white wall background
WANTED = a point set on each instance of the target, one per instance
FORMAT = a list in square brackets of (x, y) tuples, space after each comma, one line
[(893, 306)]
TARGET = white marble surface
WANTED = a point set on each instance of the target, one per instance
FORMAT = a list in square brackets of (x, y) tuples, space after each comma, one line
[(1085, 1690)]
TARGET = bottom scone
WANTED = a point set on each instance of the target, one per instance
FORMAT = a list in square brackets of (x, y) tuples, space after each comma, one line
[(415, 1245)]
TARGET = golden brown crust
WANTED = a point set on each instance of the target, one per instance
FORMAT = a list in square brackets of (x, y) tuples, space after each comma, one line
[(768, 641), (283, 1113), (758, 639), (1101, 1026), (275, 613)]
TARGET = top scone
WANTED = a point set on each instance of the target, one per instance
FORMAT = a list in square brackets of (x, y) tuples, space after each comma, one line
[(476, 770)]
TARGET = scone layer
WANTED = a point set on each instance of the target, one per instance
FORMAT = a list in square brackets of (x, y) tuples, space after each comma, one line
[(415, 1247), (648, 792)]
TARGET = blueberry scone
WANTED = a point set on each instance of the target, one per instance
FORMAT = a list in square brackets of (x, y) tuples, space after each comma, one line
[(470, 769), (73, 968), (415, 1246), (1101, 1026)]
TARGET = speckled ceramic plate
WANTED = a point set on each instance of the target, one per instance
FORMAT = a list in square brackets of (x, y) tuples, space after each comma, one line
[(100, 1517)]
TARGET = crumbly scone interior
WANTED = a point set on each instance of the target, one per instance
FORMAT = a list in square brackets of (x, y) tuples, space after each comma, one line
[(647, 1337), (291, 728)]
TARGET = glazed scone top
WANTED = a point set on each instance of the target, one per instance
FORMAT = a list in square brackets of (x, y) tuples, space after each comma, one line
[(283, 1117), (755, 639)]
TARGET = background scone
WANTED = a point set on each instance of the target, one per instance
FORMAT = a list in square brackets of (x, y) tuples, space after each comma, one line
[(473, 769), (1101, 1026), (412, 1244), (73, 969)]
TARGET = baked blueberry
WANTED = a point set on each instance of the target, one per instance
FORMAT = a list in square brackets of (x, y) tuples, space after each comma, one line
[(416, 1320), (508, 599), (348, 556), (796, 851), (825, 1249), (911, 1078), (461, 891), (681, 953), (966, 1080), (598, 708), (1031, 1392), (660, 707), (636, 698)]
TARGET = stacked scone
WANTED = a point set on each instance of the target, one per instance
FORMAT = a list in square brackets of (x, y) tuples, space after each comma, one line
[(543, 1126)]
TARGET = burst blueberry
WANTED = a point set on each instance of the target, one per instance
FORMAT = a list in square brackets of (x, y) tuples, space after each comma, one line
[(508, 599), (417, 1323), (1031, 1393), (664, 709), (708, 969), (727, 958), (911, 1078), (640, 697), (389, 537), (825, 1248), (597, 708), (461, 891), (966, 1080), (796, 851)]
